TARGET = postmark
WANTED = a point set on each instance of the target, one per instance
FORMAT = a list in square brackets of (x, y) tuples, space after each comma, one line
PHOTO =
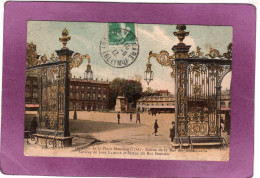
[(120, 48)]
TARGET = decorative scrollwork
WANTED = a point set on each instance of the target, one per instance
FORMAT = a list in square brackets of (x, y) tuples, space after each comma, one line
[(212, 128), (197, 128), (31, 55), (197, 90), (213, 53), (228, 54), (197, 53), (77, 60), (162, 58)]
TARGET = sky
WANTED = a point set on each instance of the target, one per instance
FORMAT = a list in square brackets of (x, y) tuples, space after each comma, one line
[(86, 37)]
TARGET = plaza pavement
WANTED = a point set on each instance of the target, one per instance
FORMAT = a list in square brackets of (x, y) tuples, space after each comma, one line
[(101, 130)]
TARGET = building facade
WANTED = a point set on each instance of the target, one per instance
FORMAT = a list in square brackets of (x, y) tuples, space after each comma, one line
[(88, 95), (161, 101)]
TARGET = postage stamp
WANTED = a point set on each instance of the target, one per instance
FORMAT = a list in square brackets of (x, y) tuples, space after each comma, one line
[(98, 91), (120, 48)]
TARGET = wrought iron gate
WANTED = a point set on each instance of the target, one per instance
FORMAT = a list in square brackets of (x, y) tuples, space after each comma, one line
[(198, 80), (51, 91), (199, 95)]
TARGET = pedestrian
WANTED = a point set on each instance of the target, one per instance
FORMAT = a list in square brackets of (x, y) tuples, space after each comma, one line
[(131, 117), (172, 131), (138, 117), (118, 117), (34, 125), (156, 126), (222, 124)]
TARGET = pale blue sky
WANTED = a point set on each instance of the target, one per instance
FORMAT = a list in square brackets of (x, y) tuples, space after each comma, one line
[(86, 37)]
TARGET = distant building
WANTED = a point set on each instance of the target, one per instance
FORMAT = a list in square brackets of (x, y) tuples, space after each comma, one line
[(88, 95), (225, 100), (159, 101)]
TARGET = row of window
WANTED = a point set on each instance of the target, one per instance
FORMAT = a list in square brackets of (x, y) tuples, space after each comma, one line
[(82, 88), (87, 106), (89, 96)]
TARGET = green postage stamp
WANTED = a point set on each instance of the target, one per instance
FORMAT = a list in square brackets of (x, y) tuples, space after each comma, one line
[(122, 33)]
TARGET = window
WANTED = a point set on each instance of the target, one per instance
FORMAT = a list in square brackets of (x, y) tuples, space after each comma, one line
[(223, 104), (229, 104), (99, 96), (88, 96), (104, 97), (94, 96), (82, 95)]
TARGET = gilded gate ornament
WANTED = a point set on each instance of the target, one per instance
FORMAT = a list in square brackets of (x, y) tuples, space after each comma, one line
[(181, 34), (228, 54), (197, 90), (31, 55), (65, 38)]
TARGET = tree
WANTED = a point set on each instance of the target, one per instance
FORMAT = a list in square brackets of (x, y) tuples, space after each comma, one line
[(132, 91)]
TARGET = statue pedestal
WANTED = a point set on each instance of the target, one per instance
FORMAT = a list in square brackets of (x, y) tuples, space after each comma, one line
[(120, 104)]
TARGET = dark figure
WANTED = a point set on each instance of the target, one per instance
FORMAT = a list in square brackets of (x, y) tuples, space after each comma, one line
[(172, 131), (156, 126), (34, 126), (118, 117), (227, 123), (131, 117), (222, 124), (138, 118)]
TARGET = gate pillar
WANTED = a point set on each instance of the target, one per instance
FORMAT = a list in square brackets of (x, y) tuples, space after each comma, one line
[(65, 55)]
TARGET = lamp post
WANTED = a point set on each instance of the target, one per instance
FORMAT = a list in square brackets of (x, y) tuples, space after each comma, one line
[(148, 73)]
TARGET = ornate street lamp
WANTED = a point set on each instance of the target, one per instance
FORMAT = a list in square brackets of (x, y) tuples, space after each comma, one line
[(148, 73)]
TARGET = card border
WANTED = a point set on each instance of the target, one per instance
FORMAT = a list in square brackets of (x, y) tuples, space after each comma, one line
[(242, 17)]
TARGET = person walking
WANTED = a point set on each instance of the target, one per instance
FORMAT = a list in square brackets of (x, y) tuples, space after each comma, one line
[(172, 131), (131, 117), (156, 126), (118, 117), (138, 118)]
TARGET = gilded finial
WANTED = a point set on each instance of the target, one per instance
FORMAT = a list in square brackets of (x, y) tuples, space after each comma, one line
[(181, 34), (65, 38)]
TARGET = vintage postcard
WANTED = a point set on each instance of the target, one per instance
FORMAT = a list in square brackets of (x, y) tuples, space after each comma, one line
[(128, 90)]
